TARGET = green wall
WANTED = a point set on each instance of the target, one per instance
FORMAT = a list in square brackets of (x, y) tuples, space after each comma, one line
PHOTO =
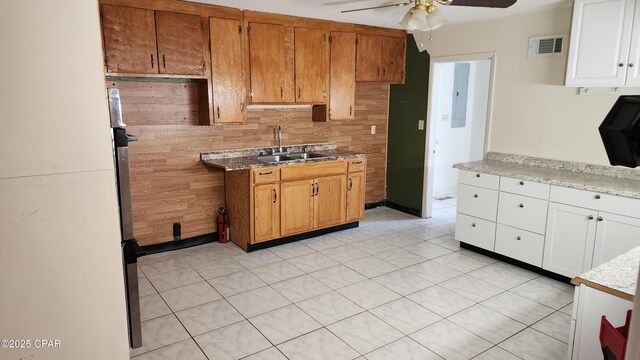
[(406, 147)]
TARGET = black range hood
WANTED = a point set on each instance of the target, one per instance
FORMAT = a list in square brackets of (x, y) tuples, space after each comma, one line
[(620, 132)]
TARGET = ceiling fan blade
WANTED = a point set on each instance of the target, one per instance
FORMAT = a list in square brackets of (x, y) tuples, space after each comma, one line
[(377, 7), (484, 3)]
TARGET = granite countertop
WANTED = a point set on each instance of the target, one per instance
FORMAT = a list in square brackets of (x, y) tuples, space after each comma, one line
[(243, 159), (617, 276), (601, 179)]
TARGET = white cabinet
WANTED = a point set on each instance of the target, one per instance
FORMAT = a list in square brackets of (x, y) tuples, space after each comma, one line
[(569, 241), (615, 235), (522, 212), (519, 244), (476, 232), (478, 202), (602, 50)]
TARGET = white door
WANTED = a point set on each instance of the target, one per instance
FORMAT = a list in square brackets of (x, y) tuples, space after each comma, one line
[(633, 65), (616, 234), (599, 46), (568, 245)]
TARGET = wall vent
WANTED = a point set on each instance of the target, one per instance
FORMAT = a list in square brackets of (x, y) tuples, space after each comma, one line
[(546, 46)]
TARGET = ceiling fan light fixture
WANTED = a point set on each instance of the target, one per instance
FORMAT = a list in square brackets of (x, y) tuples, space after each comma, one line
[(423, 17)]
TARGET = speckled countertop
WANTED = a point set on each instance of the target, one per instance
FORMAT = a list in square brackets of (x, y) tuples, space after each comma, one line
[(617, 276), (601, 179), (242, 159)]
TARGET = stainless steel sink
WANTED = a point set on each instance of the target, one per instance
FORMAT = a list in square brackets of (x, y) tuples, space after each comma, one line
[(275, 158), (306, 155)]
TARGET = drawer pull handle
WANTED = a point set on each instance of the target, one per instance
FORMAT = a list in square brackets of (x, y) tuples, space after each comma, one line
[(474, 224), (357, 162), (317, 189), (267, 173), (600, 218), (477, 175), (597, 196), (590, 217), (275, 196), (521, 206), (313, 189), (475, 196), (519, 238), (350, 184), (521, 182)]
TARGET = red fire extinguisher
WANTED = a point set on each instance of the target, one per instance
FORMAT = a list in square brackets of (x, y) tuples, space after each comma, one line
[(223, 226)]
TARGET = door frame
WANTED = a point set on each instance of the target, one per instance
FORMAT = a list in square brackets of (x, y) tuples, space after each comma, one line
[(427, 184)]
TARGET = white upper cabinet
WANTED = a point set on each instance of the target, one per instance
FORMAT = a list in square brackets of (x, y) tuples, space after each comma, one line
[(605, 44)]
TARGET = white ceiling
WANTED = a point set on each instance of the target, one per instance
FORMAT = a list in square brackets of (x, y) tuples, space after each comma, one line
[(389, 17)]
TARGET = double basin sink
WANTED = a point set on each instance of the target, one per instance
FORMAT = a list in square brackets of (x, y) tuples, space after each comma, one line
[(290, 157)]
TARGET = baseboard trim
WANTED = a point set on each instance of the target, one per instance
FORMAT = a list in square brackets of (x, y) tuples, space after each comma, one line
[(176, 245), (298, 237), (532, 268), (404, 209)]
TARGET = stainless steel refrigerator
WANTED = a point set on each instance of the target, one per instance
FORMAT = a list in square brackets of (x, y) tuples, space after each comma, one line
[(121, 142)]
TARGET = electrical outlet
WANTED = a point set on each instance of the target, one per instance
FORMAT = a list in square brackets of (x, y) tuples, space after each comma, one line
[(420, 124), (445, 117), (373, 129)]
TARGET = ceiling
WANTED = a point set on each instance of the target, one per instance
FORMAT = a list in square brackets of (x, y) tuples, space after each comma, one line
[(389, 17)]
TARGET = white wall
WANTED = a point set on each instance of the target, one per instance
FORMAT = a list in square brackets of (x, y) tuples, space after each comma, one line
[(532, 112), (60, 261), (479, 104)]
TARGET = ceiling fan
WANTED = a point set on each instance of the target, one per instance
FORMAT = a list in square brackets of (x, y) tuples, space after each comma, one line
[(424, 14)]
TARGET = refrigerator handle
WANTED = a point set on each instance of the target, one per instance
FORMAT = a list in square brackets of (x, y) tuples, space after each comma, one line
[(115, 108)]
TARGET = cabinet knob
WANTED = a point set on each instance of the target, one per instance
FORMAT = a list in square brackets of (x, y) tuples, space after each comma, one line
[(631, 65), (519, 238), (474, 224), (600, 218), (521, 182), (620, 65), (477, 175), (590, 217), (521, 205), (597, 196), (475, 196)]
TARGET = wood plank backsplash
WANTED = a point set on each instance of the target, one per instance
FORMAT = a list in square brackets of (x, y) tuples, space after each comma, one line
[(168, 182)]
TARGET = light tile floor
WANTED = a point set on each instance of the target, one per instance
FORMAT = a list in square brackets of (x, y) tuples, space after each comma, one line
[(398, 287)]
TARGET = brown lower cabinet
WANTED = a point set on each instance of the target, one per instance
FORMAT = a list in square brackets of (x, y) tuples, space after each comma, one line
[(269, 203)]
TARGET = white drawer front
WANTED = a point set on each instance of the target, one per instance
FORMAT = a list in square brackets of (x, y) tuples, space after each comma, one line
[(479, 179), (519, 244), (474, 231), (524, 187), (522, 212), (478, 202), (592, 200)]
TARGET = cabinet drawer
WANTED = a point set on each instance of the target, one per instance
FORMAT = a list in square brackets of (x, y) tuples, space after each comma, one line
[(593, 200), (356, 165), (479, 179), (266, 175), (311, 171), (478, 202), (523, 212), (524, 187), (519, 244), (474, 231)]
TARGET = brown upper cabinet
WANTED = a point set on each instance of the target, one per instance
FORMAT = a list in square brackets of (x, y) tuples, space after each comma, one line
[(343, 76), (227, 71), (271, 63), (380, 59), (311, 65), (142, 41)]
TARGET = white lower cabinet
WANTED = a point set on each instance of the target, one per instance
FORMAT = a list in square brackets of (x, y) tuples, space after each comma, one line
[(519, 244), (478, 202), (522, 212), (615, 235), (568, 246), (475, 231)]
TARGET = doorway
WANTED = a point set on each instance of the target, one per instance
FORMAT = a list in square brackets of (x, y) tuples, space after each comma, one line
[(458, 116)]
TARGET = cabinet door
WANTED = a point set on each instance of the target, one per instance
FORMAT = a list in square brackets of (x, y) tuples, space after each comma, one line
[(355, 196), (393, 50), (368, 58), (311, 69), (296, 212), (180, 48), (343, 76), (268, 57), (475, 231), (633, 65), (329, 207), (569, 241), (615, 235), (227, 72), (129, 40), (599, 46), (266, 204)]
